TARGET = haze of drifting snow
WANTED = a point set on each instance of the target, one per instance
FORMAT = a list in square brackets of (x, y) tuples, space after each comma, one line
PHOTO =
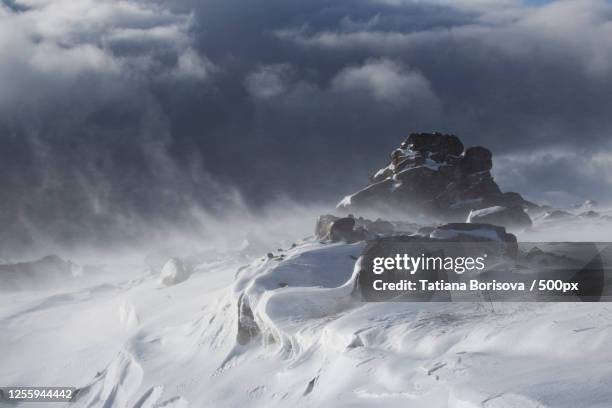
[(127, 340), (131, 337), (117, 113)]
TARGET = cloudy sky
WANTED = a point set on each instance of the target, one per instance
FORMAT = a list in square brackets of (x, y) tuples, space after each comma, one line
[(115, 113)]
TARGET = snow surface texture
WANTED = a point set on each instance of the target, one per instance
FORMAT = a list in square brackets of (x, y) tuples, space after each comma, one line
[(285, 331)]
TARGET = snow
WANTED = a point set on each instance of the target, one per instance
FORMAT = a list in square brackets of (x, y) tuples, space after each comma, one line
[(485, 211), (382, 171), (133, 343), (346, 201), (433, 165)]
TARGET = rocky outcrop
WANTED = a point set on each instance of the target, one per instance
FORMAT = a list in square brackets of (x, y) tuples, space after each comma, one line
[(334, 228), (433, 175), (351, 229)]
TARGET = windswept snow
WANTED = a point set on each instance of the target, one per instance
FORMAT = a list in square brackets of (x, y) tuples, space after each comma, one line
[(485, 211), (345, 202), (286, 331)]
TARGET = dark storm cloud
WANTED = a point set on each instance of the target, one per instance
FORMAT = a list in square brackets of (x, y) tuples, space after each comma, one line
[(499, 73), (117, 114)]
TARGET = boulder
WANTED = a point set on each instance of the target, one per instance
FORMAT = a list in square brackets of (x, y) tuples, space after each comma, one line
[(337, 229), (351, 229), (173, 272), (323, 225), (343, 229), (509, 217)]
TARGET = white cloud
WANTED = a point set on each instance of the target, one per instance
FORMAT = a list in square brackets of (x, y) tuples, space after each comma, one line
[(191, 65), (378, 81), (51, 44), (268, 81), (385, 81), (377, 88), (579, 29)]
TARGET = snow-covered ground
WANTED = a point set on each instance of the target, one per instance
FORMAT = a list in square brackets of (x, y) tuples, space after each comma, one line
[(285, 331)]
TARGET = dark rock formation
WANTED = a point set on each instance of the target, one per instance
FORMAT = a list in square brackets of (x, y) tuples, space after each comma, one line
[(477, 159), (431, 174), (438, 143), (335, 229), (343, 229), (351, 229)]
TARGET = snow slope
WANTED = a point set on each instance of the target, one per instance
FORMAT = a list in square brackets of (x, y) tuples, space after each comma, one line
[(285, 331)]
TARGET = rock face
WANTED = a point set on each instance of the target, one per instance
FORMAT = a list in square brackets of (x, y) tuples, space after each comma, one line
[(433, 175)]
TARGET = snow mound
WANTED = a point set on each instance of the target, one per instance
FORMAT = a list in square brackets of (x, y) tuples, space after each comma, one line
[(173, 272)]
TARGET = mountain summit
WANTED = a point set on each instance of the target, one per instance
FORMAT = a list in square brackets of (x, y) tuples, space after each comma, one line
[(432, 174)]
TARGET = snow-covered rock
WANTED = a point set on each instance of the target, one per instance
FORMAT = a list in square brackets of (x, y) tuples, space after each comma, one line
[(351, 229), (512, 217), (431, 174), (173, 272)]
